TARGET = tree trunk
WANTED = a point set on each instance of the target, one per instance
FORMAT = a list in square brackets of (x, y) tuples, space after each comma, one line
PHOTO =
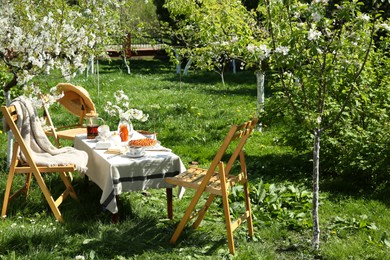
[(187, 67), (9, 85), (260, 75), (178, 65), (316, 174), (98, 78), (222, 78), (91, 66), (234, 67), (126, 51), (126, 64), (7, 96)]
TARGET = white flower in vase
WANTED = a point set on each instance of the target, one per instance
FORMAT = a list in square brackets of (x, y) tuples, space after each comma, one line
[(122, 109)]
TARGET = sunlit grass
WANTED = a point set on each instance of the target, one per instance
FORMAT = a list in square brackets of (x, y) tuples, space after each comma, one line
[(191, 115)]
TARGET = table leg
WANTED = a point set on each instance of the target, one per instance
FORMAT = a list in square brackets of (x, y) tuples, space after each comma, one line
[(115, 218), (169, 203)]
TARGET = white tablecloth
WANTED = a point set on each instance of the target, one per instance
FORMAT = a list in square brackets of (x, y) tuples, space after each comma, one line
[(117, 174)]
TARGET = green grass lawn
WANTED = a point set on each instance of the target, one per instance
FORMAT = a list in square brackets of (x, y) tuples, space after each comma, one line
[(192, 114)]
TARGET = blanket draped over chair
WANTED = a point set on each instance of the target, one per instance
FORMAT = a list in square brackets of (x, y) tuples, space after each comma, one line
[(43, 152)]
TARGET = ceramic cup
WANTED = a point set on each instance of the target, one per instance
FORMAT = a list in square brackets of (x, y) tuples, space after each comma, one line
[(104, 132), (136, 151)]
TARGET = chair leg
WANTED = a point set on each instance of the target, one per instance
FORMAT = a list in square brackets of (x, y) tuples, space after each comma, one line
[(11, 175), (202, 212), (48, 196), (69, 186), (246, 194), (28, 183), (186, 216), (226, 210), (248, 209)]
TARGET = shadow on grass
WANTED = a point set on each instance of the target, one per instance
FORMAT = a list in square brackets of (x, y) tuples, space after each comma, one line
[(89, 229), (167, 69), (298, 169), (280, 168), (129, 238), (136, 232), (358, 186), (139, 235), (138, 66)]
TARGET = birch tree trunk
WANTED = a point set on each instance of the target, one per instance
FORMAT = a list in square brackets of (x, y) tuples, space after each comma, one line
[(126, 64), (91, 66), (187, 67), (178, 65), (234, 67), (316, 175), (260, 75)]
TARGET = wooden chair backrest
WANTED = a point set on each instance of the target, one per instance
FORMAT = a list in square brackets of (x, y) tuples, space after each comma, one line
[(11, 118), (239, 133), (29, 167)]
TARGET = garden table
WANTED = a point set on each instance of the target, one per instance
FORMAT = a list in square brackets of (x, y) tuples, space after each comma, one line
[(119, 173)]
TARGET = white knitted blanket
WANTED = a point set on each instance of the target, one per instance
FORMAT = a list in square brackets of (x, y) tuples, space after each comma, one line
[(44, 153)]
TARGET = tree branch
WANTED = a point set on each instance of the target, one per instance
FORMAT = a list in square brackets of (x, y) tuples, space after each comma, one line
[(354, 79)]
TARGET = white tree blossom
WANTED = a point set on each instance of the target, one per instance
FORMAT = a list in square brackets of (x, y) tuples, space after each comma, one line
[(37, 38), (282, 49), (121, 108), (363, 17), (313, 34)]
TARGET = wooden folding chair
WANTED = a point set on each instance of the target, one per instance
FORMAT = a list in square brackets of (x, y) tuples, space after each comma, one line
[(31, 168), (77, 101), (218, 183)]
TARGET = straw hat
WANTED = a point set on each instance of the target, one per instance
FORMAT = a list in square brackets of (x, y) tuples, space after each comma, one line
[(76, 99)]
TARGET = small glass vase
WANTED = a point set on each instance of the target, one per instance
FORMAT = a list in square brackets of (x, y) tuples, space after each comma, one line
[(125, 129)]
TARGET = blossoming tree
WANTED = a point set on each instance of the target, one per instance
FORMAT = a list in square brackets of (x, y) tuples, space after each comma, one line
[(213, 32), (38, 37), (325, 49), (136, 19), (317, 51), (218, 33)]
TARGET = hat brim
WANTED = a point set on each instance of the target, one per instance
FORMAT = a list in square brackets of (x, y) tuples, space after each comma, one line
[(76, 99)]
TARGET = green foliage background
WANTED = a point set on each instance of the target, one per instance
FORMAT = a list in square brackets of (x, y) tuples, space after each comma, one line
[(191, 115), (358, 145)]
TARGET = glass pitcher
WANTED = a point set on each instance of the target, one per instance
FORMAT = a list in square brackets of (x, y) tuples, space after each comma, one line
[(92, 122)]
